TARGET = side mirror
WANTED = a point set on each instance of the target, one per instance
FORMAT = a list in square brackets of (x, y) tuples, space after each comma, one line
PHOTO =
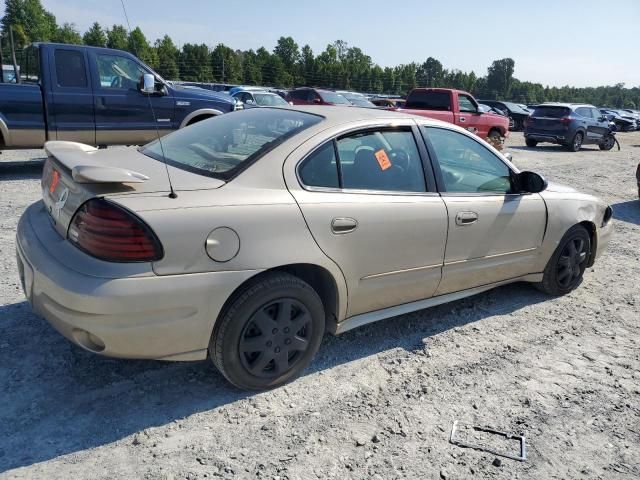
[(532, 182), (148, 84)]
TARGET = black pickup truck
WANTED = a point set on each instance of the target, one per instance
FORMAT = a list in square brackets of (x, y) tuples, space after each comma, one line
[(93, 96)]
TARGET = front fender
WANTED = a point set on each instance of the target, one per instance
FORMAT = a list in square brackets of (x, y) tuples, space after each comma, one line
[(564, 210)]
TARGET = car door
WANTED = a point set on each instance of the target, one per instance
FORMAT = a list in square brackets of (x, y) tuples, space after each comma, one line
[(589, 124), (368, 206), (469, 116), (70, 97), (494, 231), (124, 115), (601, 124)]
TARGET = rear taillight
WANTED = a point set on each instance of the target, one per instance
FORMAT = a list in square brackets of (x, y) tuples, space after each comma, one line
[(565, 120), (109, 232), (528, 121)]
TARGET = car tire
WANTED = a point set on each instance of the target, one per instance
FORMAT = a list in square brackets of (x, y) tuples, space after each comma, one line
[(576, 142), (269, 332), (566, 267), (608, 143), (531, 143)]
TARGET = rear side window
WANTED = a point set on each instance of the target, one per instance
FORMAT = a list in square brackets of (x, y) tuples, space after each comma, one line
[(584, 112), (551, 112), (70, 68), (320, 169), (429, 100)]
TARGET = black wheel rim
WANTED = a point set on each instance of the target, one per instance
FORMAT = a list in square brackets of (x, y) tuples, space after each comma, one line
[(275, 338), (577, 142), (609, 142), (572, 262)]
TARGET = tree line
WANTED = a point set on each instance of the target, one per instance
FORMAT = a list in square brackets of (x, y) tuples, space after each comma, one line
[(339, 65)]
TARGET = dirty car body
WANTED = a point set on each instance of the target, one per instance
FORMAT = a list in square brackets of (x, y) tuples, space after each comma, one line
[(287, 223)]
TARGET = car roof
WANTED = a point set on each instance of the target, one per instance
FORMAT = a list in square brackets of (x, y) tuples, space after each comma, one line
[(335, 115), (564, 104)]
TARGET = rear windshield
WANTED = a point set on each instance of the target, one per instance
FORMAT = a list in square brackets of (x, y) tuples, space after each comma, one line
[(332, 97), (429, 100), (551, 112), (222, 146), (269, 100)]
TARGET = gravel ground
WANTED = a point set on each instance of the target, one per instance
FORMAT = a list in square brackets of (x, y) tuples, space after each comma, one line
[(378, 402)]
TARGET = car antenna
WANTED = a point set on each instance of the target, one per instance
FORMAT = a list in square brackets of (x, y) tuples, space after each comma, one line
[(172, 192)]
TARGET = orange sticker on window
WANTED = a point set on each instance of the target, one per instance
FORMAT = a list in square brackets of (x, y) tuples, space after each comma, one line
[(383, 159), (54, 181)]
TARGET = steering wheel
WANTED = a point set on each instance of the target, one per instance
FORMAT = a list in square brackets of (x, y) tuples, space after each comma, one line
[(400, 159), (116, 82)]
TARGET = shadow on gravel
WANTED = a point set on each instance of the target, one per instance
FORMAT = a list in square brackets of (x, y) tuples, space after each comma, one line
[(551, 148), (58, 399), (21, 170), (627, 211)]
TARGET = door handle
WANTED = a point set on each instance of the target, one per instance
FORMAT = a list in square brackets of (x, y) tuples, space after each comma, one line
[(342, 225), (466, 218), (463, 119)]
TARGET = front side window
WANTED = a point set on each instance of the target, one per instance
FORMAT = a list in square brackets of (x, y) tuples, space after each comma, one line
[(466, 165), (71, 71), (466, 104), (119, 72), (220, 146)]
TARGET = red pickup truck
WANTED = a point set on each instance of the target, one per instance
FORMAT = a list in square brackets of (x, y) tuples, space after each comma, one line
[(457, 107)]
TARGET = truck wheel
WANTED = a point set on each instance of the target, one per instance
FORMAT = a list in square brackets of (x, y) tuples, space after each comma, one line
[(566, 266), (269, 333), (531, 143), (576, 143), (512, 123)]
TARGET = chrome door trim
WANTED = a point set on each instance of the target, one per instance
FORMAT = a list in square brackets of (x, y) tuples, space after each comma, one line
[(396, 272), (497, 255)]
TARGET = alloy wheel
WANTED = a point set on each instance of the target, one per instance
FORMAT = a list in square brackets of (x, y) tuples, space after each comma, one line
[(570, 263), (275, 338), (577, 142)]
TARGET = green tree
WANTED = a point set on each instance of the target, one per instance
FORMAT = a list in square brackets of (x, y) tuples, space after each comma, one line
[(307, 66), (95, 36), (194, 63), (118, 38), (140, 47), (288, 51), (226, 64), (33, 20), (500, 78), (167, 54), (430, 73), (251, 71), (67, 34)]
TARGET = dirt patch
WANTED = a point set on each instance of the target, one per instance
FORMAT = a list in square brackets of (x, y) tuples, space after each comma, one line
[(377, 402)]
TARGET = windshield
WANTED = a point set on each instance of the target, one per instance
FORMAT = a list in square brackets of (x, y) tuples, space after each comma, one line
[(269, 100), (357, 99), (332, 97), (221, 146)]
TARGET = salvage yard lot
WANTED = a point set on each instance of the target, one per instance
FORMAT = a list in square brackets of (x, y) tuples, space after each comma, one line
[(377, 402)]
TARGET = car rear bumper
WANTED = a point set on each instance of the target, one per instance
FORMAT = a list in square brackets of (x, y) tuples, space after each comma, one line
[(144, 316), (546, 137)]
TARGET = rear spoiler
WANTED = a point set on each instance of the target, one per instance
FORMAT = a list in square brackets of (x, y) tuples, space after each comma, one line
[(78, 158)]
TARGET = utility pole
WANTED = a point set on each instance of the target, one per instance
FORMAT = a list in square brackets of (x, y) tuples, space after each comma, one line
[(13, 55)]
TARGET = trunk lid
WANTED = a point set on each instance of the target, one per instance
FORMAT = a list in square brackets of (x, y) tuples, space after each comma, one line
[(73, 173)]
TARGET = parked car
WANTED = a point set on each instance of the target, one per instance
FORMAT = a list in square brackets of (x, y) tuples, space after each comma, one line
[(623, 124), (487, 109), (92, 95), (259, 98), (315, 96), (286, 223), (631, 116), (388, 102), (9, 74), (517, 115), (357, 99), (457, 107), (569, 124), (638, 179)]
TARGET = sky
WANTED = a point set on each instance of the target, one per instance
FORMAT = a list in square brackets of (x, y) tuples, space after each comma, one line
[(562, 42)]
